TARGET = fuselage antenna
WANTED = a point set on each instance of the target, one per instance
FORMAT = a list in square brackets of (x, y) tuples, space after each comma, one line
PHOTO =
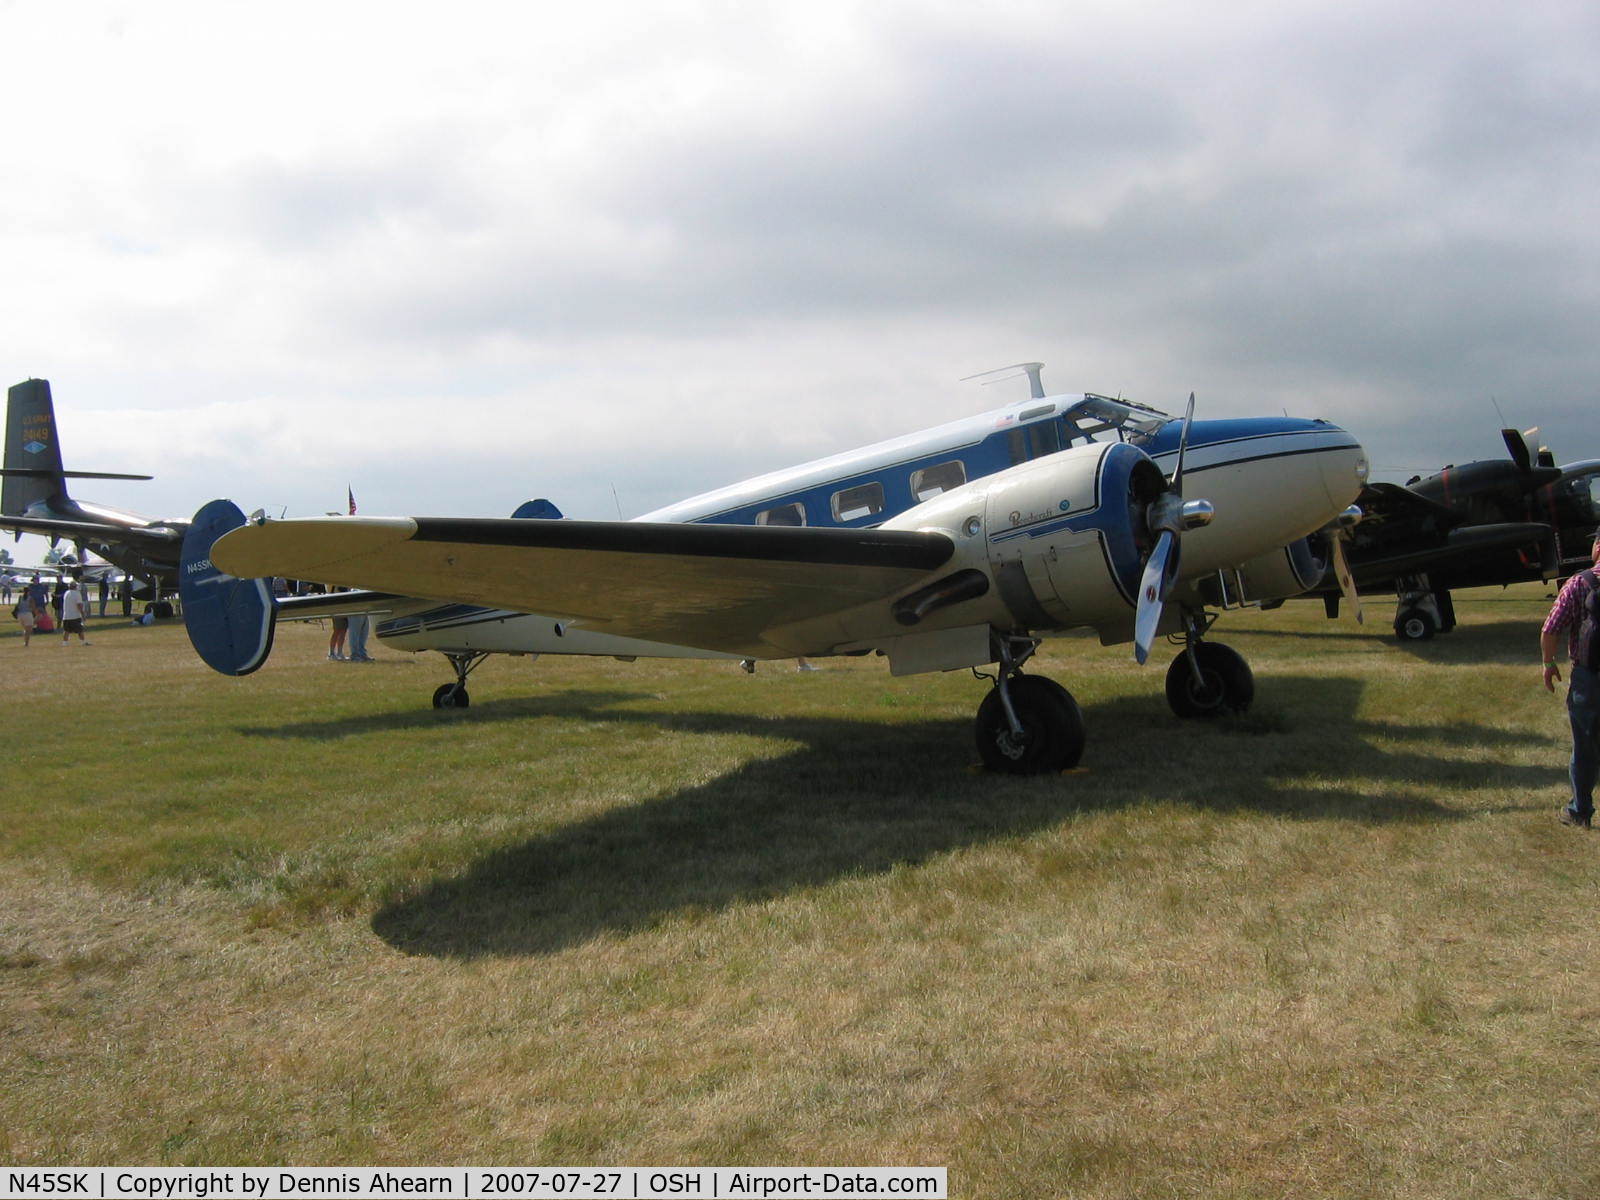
[(1031, 370)]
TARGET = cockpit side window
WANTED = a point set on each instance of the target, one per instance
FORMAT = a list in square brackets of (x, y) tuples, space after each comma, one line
[(1034, 441), (1585, 493), (936, 480)]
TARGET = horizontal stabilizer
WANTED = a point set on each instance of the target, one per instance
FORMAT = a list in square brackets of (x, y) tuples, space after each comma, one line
[(342, 604), (93, 531), (40, 473), (229, 620)]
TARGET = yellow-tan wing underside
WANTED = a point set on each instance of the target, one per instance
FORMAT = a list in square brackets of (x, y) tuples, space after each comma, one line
[(718, 587)]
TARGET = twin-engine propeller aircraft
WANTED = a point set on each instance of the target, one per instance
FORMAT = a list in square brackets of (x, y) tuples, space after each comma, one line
[(64, 563), (34, 499), (1481, 524), (957, 547)]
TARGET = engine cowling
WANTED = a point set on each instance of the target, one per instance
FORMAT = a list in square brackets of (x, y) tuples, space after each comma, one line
[(1067, 541), (1062, 539)]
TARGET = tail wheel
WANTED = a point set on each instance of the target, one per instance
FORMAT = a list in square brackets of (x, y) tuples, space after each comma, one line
[(1052, 736), (1226, 684)]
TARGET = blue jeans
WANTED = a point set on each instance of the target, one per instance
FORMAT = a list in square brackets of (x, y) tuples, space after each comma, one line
[(357, 636), (1583, 709)]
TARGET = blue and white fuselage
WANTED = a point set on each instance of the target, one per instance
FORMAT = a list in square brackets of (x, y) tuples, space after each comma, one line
[(1271, 480)]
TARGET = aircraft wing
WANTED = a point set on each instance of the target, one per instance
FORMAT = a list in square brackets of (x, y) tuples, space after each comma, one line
[(1461, 548), (95, 531), (715, 587), (1388, 501)]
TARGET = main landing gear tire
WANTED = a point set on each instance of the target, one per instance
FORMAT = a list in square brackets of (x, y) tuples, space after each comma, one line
[(1052, 728), (450, 695), (1414, 625), (1225, 686)]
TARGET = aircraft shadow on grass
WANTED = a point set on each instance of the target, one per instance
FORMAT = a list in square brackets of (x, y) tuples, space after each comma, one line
[(860, 797), (551, 704), (1510, 643)]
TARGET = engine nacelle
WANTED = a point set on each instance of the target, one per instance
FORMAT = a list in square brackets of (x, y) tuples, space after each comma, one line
[(1289, 571), (1062, 539), (1067, 540)]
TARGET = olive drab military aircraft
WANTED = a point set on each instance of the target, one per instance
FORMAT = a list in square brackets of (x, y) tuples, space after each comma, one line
[(958, 547), (34, 499), (1481, 524)]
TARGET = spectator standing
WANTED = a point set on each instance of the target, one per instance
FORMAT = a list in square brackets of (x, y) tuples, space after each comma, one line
[(26, 616), (1577, 612), (74, 608), (360, 625)]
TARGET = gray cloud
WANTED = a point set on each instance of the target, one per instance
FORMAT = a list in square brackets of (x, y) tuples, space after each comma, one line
[(1379, 212)]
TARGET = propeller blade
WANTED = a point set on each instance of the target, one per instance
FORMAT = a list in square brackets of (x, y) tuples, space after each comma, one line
[(1183, 445), (1517, 445), (1159, 571), (1341, 572)]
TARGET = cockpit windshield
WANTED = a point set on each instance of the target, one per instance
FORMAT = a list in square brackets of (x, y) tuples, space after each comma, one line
[(1578, 497), (1094, 415)]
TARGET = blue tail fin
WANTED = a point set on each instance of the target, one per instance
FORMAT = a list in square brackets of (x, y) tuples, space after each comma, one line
[(538, 510), (230, 621)]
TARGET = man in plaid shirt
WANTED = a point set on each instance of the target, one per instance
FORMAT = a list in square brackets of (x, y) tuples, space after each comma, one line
[(1575, 611)]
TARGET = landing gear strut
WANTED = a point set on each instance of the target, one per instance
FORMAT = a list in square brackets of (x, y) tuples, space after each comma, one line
[(1208, 679), (1422, 610), (1027, 724), (454, 695)]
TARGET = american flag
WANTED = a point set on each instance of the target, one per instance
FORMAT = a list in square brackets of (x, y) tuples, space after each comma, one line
[(352, 496)]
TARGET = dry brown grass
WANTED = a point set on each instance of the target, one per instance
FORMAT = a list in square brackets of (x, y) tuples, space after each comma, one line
[(671, 914)]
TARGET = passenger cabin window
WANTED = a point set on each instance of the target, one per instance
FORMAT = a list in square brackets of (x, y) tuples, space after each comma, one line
[(784, 514), (936, 480), (863, 500)]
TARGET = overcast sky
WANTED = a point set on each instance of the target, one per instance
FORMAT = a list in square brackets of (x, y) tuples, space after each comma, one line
[(455, 256)]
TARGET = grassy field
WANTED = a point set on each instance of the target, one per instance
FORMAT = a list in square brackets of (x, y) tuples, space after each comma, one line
[(666, 913)]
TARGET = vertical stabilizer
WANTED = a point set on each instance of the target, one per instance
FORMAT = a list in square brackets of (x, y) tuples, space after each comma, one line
[(31, 448)]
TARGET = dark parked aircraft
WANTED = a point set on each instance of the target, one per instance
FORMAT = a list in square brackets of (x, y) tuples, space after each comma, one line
[(34, 499), (1488, 523)]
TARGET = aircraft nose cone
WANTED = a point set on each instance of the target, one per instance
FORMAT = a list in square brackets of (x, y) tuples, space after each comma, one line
[(1344, 472)]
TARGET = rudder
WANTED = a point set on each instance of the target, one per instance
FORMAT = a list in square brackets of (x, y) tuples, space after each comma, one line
[(31, 448), (230, 621)]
